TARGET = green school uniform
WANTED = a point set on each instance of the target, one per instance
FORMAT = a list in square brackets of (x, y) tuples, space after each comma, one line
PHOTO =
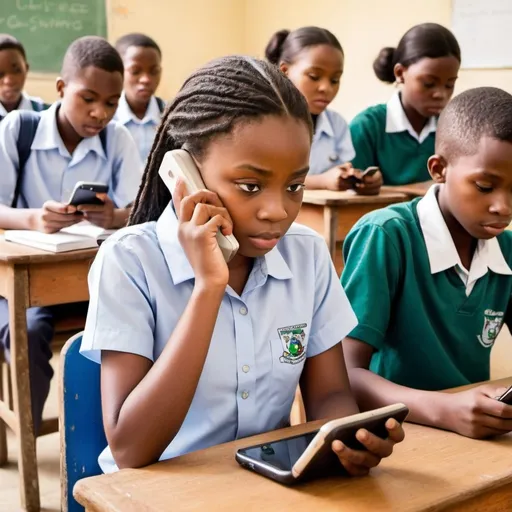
[(383, 136), (402, 276)]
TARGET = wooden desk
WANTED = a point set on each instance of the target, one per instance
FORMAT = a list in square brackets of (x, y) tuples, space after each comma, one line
[(30, 277), (431, 470), (332, 214), (412, 190)]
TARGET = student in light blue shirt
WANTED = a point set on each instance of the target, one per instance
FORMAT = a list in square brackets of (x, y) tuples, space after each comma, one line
[(139, 109), (67, 147), (200, 351), (13, 74), (313, 59)]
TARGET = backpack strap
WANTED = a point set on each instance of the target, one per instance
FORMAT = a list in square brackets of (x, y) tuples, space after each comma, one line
[(103, 139), (38, 106), (29, 122), (161, 104)]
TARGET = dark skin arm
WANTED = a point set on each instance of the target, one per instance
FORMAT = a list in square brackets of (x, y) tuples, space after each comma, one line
[(472, 413), (326, 393)]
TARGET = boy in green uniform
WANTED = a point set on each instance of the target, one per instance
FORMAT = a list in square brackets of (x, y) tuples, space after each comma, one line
[(431, 280)]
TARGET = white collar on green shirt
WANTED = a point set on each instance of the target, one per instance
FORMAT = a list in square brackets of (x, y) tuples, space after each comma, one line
[(124, 113), (442, 253), (396, 120)]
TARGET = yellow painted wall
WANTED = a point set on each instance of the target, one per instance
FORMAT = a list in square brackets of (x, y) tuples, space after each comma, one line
[(384, 22), (190, 32)]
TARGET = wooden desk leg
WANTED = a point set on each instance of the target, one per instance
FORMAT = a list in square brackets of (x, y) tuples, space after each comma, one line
[(4, 390), (27, 465), (330, 228)]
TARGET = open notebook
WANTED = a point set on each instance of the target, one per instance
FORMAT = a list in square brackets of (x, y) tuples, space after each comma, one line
[(80, 236)]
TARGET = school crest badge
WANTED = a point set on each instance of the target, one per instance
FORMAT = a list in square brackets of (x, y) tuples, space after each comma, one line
[(493, 320), (293, 340)]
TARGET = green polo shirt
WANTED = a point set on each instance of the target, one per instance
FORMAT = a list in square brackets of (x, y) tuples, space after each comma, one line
[(400, 157), (427, 334)]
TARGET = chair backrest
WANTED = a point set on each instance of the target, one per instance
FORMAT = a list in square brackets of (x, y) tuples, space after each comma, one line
[(82, 437)]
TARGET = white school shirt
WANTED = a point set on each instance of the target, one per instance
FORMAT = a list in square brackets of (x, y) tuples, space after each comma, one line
[(292, 307), (442, 253), (332, 143), (25, 104), (51, 172), (142, 130)]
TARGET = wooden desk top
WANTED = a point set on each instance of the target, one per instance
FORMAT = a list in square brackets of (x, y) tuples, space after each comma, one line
[(431, 470), (412, 190), (23, 254), (339, 198)]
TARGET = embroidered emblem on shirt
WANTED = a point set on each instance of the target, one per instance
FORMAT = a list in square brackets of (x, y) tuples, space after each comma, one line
[(493, 320), (294, 348)]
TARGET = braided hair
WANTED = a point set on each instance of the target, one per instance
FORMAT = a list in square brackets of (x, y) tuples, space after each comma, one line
[(212, 101)]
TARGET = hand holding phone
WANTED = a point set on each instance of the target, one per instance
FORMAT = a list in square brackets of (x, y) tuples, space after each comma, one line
[(85, 192), (506, 397)]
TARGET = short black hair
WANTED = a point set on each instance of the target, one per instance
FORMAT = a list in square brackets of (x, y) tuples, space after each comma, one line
[(427, 40), (8, 42), (91, 51), (473, 114), (284, 46), (138, 40), (213, 101)]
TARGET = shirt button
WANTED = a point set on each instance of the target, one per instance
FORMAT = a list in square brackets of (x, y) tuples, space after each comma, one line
[(245, 395), (245, 368), (243, 310)]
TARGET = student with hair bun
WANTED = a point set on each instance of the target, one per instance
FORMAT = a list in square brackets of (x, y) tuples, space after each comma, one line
[(399, 136), (313, 59)]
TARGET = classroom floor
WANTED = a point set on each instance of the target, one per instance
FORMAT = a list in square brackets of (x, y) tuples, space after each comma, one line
[(48, 446)]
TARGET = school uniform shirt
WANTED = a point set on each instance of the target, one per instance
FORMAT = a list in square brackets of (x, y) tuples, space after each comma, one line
[(27, 103), (142, 130), (431, 322), (292, 307), (332, 144), (383, 136), (51, 172)]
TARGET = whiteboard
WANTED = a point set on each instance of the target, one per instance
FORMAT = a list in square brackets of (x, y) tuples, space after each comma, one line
[(484, 31)]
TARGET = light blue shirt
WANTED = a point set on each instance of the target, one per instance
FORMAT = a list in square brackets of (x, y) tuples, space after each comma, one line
[(332, 143), (25, 104), (51, 172), (143, 130), (292, 307)]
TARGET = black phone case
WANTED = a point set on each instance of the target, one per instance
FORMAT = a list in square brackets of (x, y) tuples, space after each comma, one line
[(325, 462), (87, 195), (506, 397)]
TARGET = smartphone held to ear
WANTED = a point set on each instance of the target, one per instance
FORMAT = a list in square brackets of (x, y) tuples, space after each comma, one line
[(179, 164)]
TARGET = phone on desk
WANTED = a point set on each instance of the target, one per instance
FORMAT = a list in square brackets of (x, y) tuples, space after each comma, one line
[(310, 455), (370, 171), (506, 397), (85, 193), (180, 164)]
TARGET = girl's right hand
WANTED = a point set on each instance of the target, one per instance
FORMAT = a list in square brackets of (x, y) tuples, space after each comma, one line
[(200, 216), (337, 178)]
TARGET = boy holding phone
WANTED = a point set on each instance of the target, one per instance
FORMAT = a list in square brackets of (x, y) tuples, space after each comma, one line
[(431, 280), (74, 141)]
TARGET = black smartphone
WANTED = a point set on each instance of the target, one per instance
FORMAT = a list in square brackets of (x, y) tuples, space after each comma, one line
[(310, 455), (506, 397), (370, 171), (85, 193)]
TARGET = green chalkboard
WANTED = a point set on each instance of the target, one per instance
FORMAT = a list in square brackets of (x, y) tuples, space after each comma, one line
[(47, 27)]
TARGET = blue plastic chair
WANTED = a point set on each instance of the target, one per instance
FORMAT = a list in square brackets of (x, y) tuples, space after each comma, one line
[(81, 425)]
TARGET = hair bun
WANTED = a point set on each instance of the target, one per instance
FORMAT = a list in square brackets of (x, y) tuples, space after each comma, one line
[(274, 47), (383, 65)]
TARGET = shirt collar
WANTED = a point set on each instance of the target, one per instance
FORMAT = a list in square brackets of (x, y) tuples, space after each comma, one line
[(25, 104), (441, 250), (397, 121), (48, 137), (124, 113), (323, 125), (272, 264)]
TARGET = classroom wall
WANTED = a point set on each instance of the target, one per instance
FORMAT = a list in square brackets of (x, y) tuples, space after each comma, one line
[(189, 32), (363, 27)]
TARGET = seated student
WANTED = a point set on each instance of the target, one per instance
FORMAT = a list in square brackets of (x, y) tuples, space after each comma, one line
[(431, 280), (139, 109), (313, 60), (68, 146), (13, 73), (213, 335), (399, 137)]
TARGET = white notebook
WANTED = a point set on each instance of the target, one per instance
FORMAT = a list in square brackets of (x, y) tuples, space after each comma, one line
[(80, 236)]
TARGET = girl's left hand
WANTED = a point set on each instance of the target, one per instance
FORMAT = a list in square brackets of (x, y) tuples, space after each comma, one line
[(370, 185), (359, 462)]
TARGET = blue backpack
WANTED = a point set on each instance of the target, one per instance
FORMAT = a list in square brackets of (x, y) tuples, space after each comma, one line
[(29, 121)]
